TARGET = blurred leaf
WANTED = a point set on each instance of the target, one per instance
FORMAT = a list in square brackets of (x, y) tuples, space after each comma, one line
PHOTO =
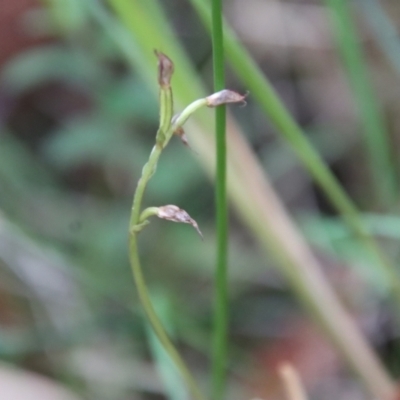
[(44, 64), (18, 384), (382, 225), (334, 237), (86, 138), (130, 98), (18, 166), (177, 173), (69, 16), (169, 374), (376, 136), (384, 29)]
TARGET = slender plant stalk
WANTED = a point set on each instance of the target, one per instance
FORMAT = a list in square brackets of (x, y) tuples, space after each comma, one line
[(137, 223), (169, 126), (221, 285), (155, 321), (376, 136)]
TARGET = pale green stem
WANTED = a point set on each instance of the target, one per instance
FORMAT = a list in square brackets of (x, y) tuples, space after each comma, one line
[(155, 321), (186, 113), (151, 165), (147, 172), (135, 221), (148, 212)]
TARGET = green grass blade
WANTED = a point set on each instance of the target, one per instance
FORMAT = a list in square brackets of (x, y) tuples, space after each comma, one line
[(376, 135), (221, 284)]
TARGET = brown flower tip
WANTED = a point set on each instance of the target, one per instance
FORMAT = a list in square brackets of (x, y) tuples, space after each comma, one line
[(165, 69), (181, 133), (176, 214), (224, 97)]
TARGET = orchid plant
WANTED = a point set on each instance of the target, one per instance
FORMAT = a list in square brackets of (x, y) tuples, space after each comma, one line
[(169, 125)]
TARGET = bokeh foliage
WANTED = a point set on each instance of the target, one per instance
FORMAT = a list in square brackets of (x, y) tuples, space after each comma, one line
[(79, 118)]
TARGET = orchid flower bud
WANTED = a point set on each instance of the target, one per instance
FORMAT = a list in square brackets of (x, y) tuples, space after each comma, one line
[(176, 214), (165, 69), (224, 97)]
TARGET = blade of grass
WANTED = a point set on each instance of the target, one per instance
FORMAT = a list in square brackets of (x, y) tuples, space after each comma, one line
[(254, 198), (376, 136), (221, 285), (262, 91)]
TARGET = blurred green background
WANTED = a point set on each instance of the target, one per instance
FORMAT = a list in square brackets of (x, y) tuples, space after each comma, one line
[(77, 121)]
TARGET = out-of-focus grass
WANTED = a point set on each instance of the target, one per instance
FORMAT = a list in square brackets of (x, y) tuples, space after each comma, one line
[(376, 135), (68, 183), (384, 30)]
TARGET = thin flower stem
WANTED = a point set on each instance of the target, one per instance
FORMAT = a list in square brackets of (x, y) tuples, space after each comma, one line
[(148, 212), (155, 321), (187, 112), (168, 126), (148, 171), (151, 165), (138, 220)]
